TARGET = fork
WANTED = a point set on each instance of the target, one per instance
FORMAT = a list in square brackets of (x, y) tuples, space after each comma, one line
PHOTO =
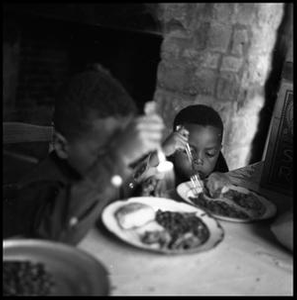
[(197, 183)]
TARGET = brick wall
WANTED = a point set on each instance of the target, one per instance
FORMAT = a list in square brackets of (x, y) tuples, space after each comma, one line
[(218, 54)]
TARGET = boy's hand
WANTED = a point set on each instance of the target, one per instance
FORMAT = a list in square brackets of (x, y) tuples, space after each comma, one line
[(142, 135), (215, 182), (175, 141)]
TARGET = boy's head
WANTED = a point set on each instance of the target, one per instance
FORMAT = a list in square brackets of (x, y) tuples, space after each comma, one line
[(205, 139), (89, 110)]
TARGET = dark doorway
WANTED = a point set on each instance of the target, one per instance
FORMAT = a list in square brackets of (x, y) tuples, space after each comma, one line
[(52, 49), (132, 57)]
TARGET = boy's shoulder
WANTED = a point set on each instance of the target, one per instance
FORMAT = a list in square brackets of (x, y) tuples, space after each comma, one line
[(51, 169)]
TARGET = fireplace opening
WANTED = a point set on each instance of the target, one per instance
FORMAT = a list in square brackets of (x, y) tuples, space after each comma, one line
[(47, 51), (132, 57)]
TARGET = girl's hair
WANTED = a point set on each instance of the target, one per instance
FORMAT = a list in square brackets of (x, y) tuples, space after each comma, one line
[(94, 93), (199, 114)]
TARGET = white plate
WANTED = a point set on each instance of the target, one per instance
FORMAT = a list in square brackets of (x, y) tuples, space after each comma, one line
[(185, 191), (131, 236)]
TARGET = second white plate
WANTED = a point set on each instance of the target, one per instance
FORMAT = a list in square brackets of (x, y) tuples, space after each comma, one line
[(185, 191)]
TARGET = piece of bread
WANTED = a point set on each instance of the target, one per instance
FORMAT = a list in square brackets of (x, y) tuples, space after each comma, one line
[(134, 215)]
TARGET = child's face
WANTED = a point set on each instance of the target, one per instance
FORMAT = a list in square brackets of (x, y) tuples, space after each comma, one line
[(83, 152), (205, 144)]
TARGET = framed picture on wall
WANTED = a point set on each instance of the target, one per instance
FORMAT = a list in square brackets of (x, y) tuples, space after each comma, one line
[(278, 157)]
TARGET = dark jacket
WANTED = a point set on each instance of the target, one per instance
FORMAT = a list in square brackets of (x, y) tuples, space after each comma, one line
[(54, 202), (221, 165)]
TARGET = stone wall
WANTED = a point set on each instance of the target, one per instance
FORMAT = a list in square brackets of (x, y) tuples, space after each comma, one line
[(218, 54)]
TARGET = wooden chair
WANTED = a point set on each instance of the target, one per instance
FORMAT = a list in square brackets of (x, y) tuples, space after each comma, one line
[(18, 132)]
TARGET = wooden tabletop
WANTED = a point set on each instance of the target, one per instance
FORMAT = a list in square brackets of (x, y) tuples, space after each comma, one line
[(249, 261)]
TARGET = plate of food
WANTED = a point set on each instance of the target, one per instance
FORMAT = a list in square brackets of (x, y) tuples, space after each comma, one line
[(33, 267), (162, 225), (235, 203)]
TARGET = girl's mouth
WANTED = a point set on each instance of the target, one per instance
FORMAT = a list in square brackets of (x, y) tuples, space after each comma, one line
[(201, 175)]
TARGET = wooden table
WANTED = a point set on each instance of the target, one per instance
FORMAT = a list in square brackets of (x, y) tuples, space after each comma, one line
[(249, 261)]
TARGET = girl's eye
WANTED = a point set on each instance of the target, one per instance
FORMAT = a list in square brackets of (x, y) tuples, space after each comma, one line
[(211, 154)]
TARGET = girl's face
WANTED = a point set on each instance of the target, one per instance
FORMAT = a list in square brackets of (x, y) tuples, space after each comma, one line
[(205, 144)]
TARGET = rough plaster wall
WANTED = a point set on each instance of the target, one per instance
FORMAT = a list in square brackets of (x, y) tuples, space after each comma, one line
[(218, 54)]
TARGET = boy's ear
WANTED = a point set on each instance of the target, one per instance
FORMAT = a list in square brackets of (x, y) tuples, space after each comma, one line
[(60, 145)]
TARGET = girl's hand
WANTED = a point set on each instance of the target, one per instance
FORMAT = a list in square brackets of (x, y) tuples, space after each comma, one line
[(215, 183), (175, 141)]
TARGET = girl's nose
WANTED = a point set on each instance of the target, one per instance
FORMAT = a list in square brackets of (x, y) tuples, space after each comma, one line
[(198, 159)]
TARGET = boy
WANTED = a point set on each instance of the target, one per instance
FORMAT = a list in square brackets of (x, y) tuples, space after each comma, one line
[(97, 138), (202, 128)]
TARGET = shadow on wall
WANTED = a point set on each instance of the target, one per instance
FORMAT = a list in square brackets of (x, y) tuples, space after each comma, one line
[(284, 36)]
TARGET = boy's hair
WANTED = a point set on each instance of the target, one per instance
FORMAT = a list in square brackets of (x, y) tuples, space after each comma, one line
[(94, 93), (199, 114)]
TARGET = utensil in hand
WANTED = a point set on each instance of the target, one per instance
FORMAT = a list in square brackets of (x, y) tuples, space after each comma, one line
[(196, 181), (197, 184)]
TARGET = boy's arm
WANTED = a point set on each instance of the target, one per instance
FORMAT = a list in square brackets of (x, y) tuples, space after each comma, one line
[(175, 140), (75, 207)]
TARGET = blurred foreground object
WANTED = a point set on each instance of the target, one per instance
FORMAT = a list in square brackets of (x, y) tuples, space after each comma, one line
[(66, 270)]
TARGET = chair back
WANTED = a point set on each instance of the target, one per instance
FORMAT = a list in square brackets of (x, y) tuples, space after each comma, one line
[(19, 132)]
